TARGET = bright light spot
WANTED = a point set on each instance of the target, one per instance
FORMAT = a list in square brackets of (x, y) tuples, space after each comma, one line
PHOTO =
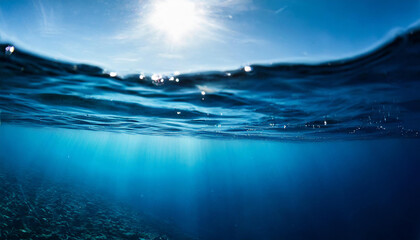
[(177, 80), (204, 89), (247, 68), (171, 78), (325, 123), (9, 50), (156, 77), (228, 74), (141, 76), (176, 18), (178, 113), (112, 74)]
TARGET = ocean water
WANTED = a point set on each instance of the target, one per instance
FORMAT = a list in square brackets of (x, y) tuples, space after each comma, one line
[(285, 151)]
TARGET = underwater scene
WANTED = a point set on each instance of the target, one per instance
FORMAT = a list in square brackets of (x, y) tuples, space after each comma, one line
[(296, 149)]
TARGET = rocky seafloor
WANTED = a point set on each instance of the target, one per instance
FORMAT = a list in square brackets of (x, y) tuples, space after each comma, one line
[(35, 208)]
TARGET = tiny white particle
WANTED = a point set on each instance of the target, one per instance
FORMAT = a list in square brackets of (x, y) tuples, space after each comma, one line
[(247, 68), (9, 50), (203, 93), (112, 74), (178, 113), (156, 77)]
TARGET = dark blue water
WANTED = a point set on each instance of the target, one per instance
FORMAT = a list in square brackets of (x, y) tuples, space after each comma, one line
[(286, 151)]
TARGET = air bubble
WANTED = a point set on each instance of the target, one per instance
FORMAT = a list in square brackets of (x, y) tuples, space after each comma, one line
[(9, 50)]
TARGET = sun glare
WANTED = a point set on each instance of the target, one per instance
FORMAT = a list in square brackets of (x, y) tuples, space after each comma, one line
[(176, 19)]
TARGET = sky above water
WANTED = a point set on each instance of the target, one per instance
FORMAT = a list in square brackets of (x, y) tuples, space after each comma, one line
[(133, 36)]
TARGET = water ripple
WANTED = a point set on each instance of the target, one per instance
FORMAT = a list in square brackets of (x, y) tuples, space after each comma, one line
[(374, 95)]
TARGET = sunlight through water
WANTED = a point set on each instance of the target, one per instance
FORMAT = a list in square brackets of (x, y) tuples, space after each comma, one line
[(176, 18)]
